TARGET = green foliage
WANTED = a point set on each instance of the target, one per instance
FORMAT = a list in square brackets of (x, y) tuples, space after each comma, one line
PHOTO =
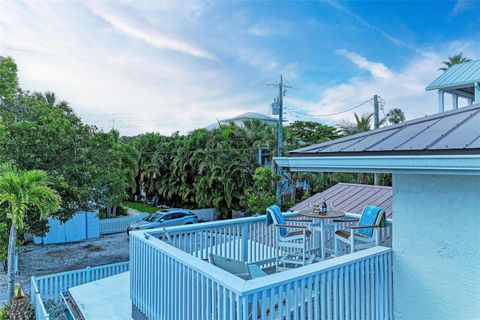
[(453, 60), (8, 78), (142, 207), (395, 115), (262, 195), (304, 133), (4, 312), (89, 168), (20, 190), (361, 124)]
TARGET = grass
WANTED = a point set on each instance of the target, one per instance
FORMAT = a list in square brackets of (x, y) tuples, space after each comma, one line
[(140, 206)]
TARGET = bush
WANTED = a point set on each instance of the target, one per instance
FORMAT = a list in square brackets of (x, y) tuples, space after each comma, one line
[(4, 312), (20, 309)]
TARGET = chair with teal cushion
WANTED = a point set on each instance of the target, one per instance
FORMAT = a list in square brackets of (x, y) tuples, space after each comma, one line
[(365, 234), (292, 246)]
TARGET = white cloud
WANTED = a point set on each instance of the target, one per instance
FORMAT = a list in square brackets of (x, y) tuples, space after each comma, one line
[(107, 81), (404, 88), (378, 70), (386, 35), (462, 6), (150, 37)]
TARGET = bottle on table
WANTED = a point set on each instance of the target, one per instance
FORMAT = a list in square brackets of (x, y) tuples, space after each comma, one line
[(324, 206)]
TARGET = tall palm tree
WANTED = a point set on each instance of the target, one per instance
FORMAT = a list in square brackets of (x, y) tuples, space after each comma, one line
[(453, 60), (395, 115), (361, 124), (19, 192)]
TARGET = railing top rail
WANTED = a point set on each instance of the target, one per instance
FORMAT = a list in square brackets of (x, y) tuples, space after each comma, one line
[(276, 279), (213, 224), (229, 222), (80, 270)]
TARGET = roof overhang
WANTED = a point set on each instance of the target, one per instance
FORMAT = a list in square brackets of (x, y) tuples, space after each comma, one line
[(441, 164)]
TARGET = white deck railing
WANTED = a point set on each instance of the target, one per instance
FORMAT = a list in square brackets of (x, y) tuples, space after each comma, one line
[(171, 280)]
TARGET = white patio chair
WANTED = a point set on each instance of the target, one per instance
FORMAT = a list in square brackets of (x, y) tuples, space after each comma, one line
[(363, 235), (294, 244)]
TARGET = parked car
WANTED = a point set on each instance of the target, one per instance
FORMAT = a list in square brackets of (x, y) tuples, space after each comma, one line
[(164, 218)]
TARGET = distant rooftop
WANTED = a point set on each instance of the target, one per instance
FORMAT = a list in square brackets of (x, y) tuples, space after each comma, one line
[(244, 117), (460, 76), (453, 132), (352, 198)]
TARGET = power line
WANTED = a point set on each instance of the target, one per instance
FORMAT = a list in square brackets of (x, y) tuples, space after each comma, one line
[(332, 114)]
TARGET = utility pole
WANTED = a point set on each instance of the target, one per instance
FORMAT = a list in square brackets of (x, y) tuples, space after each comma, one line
[(279, 100), (376, 125)]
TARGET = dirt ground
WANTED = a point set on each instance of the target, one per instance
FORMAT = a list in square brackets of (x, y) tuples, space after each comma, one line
[(38, 260)]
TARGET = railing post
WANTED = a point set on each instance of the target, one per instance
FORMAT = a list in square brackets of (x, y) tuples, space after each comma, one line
[(33, 290), (244, 242), (88, 274)]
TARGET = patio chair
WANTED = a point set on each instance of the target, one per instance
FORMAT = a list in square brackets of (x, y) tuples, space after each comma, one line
[(296, 243), (236, 267), (363, 235)]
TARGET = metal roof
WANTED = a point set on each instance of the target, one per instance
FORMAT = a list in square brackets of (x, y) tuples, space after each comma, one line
[(452, 132), (251, 116), (457, 76), (244, 117), (352, 198)]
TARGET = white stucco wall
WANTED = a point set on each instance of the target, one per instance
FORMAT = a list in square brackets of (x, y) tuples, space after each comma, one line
[(436, 244)]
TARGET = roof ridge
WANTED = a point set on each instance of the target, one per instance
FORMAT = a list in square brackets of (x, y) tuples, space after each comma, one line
[(362, 185)]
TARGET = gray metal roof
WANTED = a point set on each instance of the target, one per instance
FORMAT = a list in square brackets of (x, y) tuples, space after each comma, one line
[(452, 132), (457, 76), (352, 198), (251, 116)]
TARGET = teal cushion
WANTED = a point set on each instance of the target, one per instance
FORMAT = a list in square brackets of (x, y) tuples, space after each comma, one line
[(369, 217), (277, 218)]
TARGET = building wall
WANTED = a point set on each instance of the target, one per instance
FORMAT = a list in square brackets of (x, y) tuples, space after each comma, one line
[(436, 244)]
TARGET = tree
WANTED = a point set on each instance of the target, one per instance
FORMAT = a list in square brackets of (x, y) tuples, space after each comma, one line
[(395, 115), (361, 124), (19, 192), (88, 168), (302, 133), (453, 60), (8, 78), (262, 195)]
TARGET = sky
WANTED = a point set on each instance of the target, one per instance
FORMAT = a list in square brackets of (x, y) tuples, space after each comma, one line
[(148, 66)]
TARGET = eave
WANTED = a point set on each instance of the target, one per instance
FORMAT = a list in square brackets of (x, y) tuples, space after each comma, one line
[(411, 164)]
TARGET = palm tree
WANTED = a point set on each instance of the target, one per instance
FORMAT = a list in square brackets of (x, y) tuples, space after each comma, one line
[(455, 59), (19, 192), (395, 115), (361, 124)]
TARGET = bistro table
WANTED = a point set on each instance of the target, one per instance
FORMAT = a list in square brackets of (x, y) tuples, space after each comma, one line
[(319, 224)]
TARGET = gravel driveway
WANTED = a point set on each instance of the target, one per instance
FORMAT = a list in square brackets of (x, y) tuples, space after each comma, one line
[(38, 260)]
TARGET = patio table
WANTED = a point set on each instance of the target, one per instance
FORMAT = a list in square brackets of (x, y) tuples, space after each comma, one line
[(319, 219)]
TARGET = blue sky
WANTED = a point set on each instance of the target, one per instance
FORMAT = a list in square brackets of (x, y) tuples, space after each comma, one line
[(168, 66)]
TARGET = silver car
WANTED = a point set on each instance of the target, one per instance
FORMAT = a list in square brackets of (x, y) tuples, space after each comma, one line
[(164, 218)]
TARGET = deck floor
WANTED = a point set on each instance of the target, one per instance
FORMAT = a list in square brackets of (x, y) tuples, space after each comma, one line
[(108, 298)]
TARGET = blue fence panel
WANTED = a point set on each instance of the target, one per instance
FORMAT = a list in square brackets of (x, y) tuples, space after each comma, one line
[(93, 225), (80, 227)]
